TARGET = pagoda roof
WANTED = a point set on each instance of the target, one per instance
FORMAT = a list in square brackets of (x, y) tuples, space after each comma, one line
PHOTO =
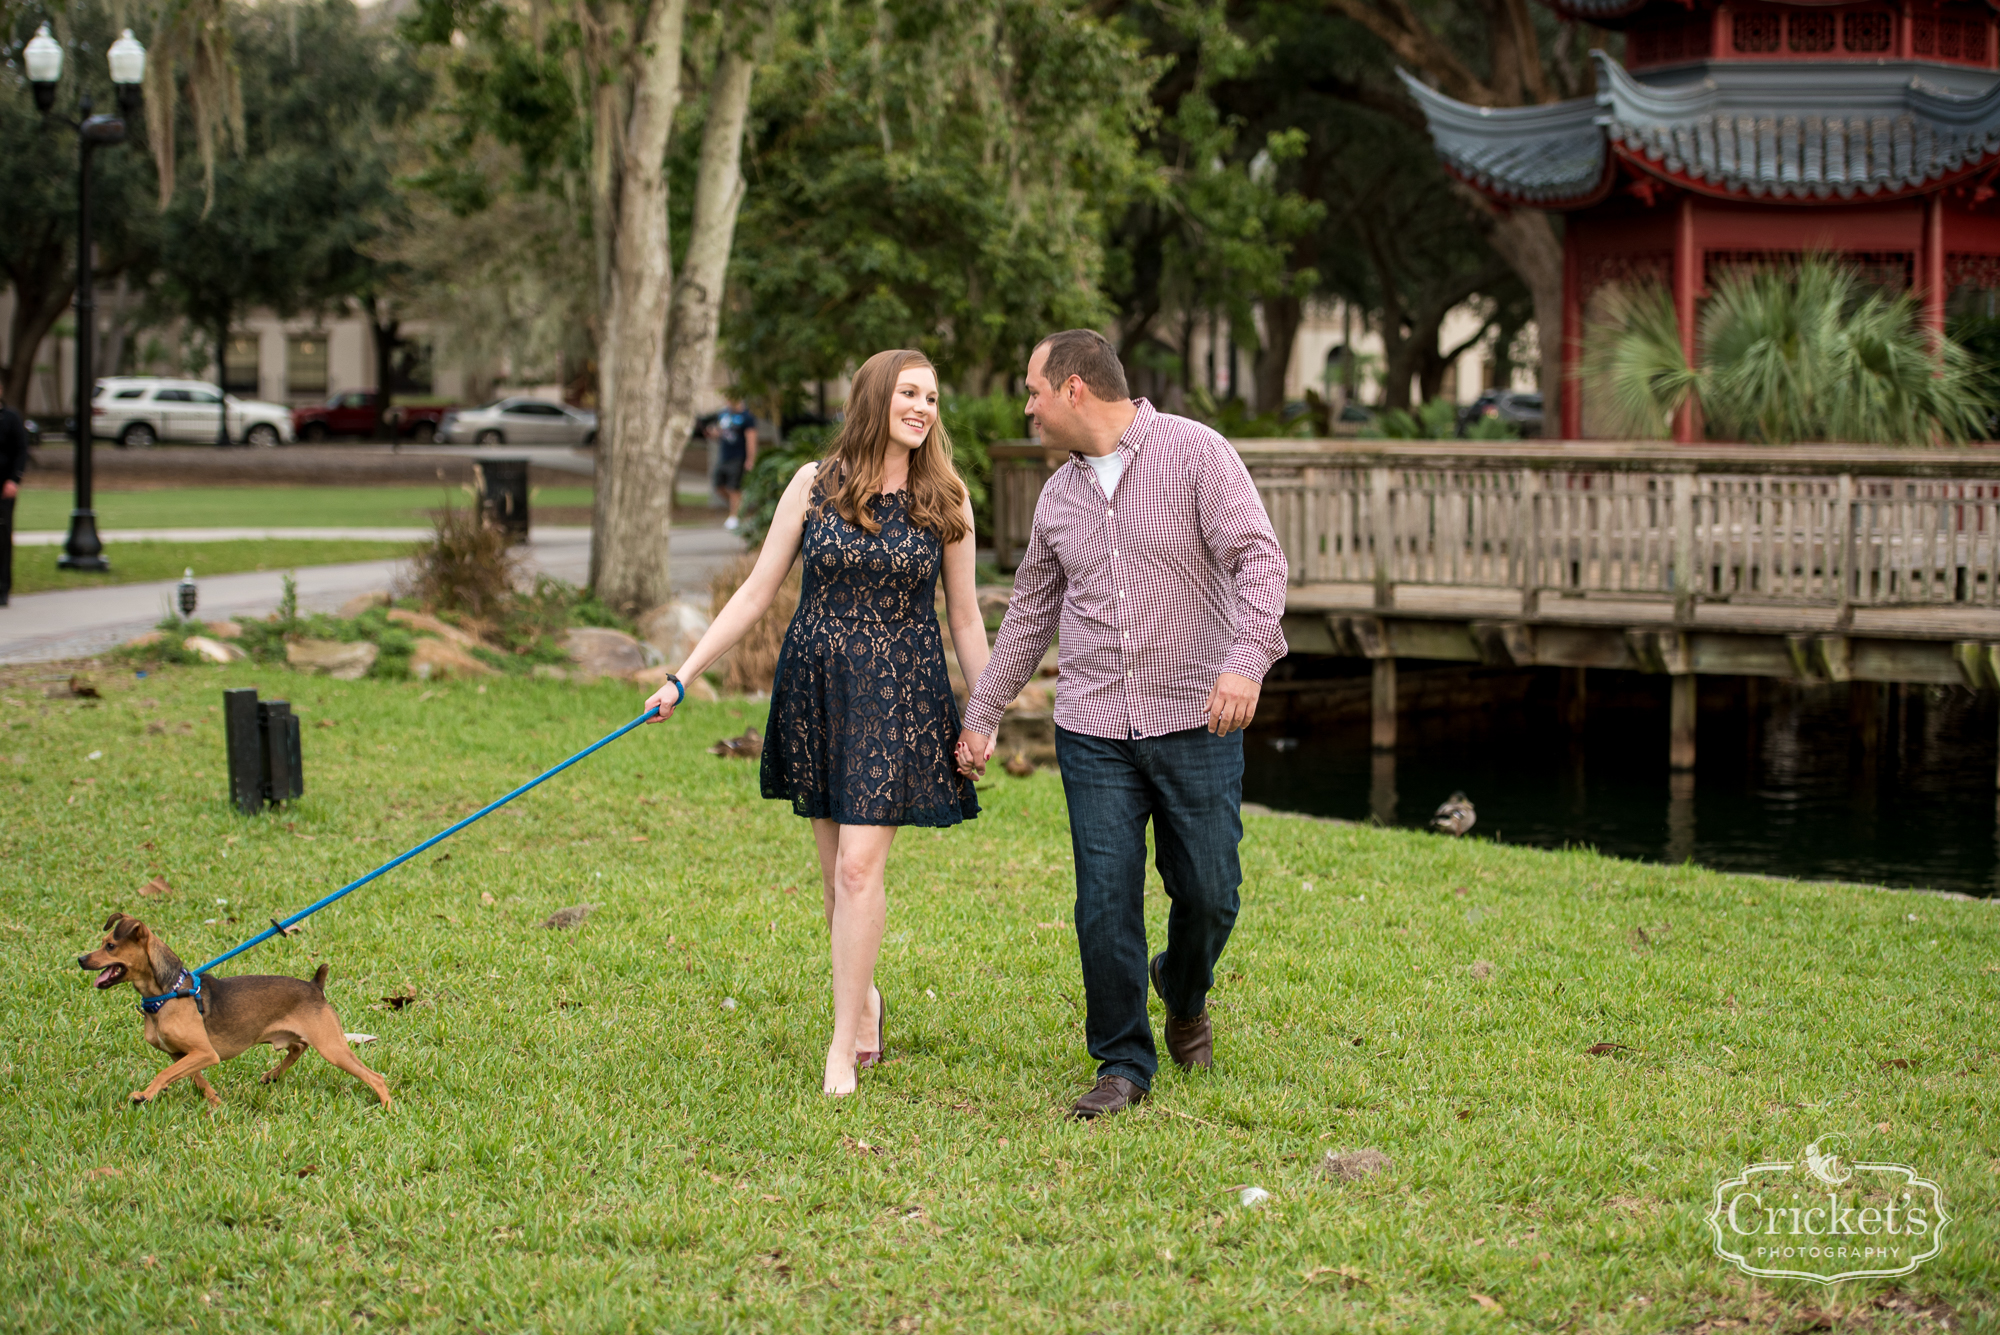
[(1779, 131), (1615, 13)]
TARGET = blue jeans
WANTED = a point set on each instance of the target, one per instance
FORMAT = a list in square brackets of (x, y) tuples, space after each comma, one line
[(1190, 784)]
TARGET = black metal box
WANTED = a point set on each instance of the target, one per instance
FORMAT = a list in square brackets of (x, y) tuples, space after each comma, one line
[(265, 752), (503, 495)]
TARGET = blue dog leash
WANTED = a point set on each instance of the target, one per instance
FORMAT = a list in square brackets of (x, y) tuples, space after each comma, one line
[(151, 1005)]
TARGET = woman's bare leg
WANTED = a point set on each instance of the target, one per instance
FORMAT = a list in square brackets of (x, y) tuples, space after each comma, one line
[(859, 908), (826, 840)]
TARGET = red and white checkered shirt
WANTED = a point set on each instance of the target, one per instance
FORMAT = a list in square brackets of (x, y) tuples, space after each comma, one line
[(1173, 579)]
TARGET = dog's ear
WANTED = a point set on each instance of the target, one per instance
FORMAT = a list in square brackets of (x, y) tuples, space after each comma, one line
[(121, 925)]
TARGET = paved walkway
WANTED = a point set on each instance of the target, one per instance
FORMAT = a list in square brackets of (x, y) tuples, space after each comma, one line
[(55, 537), (76, 623)]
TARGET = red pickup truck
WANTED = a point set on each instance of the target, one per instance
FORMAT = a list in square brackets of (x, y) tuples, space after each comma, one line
[(352, 413)]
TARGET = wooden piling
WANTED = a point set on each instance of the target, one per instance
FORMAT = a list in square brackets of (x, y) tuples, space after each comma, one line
[(1570, 698), (1680, 742), (1382, 787), (1382, 722), (1864, 717)]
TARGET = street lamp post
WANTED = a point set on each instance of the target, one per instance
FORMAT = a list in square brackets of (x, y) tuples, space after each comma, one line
[(44, 57)]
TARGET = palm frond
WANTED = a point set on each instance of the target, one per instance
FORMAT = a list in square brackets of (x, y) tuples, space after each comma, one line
[(1635, 359), (1803, 352)]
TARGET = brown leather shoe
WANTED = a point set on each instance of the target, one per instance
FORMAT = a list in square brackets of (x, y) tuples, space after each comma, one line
[(1191, 1043), (1114, 1094)]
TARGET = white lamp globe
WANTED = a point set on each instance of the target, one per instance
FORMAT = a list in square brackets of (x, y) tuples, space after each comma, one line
[(128, 60), (44, 57)]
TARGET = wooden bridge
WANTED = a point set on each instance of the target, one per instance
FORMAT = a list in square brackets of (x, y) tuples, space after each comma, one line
[(1811, 563)]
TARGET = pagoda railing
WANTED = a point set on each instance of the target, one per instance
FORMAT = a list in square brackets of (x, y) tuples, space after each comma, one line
[(1824, 526)]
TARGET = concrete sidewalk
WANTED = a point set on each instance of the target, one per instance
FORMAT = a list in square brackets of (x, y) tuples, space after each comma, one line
[(76, 623)]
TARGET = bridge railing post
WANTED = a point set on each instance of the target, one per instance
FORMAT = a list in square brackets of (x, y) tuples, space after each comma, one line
[(1528, 540), (1850, 578), (1682, 515), (1382, 535)]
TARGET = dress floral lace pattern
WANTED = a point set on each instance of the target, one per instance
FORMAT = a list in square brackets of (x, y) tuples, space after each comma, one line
[(863, 721)]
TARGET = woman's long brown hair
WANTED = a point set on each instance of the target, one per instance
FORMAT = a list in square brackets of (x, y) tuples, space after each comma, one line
[(851, 473)]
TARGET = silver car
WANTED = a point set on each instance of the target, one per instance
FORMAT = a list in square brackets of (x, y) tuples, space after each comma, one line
[(519, 421)]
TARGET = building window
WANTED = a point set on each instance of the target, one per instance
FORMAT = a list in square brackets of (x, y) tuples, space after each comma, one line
[(1866, 31), (410, 369), (1810, 34), (1754, 32), (239, 364), (305, 364)]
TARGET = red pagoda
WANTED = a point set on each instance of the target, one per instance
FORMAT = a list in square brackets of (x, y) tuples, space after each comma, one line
[(1744, 133)]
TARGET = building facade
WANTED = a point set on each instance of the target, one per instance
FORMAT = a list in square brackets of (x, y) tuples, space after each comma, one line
[(1752, 133)]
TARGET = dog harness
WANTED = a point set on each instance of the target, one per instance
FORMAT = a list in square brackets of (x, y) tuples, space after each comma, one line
[(186, 985)]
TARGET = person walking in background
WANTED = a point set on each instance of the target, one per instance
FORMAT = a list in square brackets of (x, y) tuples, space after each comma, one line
[(1152, 554), (863, 720), (733, 439), (13, 464)]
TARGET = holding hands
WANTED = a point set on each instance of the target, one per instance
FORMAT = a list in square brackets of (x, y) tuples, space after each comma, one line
[(974, 750)]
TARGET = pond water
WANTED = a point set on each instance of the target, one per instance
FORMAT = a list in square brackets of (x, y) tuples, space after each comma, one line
[(1786, 782)]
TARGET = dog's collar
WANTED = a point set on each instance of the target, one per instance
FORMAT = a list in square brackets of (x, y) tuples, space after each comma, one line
[(186, 985)]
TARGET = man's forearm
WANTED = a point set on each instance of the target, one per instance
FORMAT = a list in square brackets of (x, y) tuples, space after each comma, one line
[(1016, 655)]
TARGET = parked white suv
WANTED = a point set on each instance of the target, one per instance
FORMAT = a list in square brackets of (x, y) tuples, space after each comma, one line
[(137, 411)]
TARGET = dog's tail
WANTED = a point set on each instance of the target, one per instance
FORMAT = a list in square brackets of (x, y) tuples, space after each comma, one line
[(319, 979)]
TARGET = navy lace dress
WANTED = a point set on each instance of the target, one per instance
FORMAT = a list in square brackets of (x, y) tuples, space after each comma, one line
[(863, 722)]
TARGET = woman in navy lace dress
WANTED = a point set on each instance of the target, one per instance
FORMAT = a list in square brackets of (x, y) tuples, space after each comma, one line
[(863, 720)]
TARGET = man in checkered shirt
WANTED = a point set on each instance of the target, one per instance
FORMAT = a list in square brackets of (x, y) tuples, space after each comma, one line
[(1152, 553)]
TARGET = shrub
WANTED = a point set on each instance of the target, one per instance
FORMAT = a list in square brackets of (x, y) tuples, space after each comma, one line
[(1804, 353), (465, 566), (750, 667)]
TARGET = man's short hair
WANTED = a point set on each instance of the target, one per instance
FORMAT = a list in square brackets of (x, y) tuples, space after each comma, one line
[(1087, 354)]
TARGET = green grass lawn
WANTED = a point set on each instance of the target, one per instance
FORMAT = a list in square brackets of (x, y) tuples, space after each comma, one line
[(586, 1138), (263, 507), (35, 568)]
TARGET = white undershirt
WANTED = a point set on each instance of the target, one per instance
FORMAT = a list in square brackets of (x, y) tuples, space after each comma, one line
[(1110, 467)]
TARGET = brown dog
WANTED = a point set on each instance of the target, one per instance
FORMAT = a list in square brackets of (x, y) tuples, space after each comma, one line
[(231, 1016)]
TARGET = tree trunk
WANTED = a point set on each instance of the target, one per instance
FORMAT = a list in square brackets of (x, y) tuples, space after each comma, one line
[(630, 562), (35, 313), (387, 336), (110, 358), (1528, 241), (639, 290), (1281, 328), (221, 382)]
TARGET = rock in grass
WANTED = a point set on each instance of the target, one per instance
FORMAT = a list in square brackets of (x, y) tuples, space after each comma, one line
[(599, 652), (444, 630), (434, 660), (673, 628), (212, 651), (364, 602), (146, 641), (224, 630), (1353, 1165), (342, 662), (563, 919)]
